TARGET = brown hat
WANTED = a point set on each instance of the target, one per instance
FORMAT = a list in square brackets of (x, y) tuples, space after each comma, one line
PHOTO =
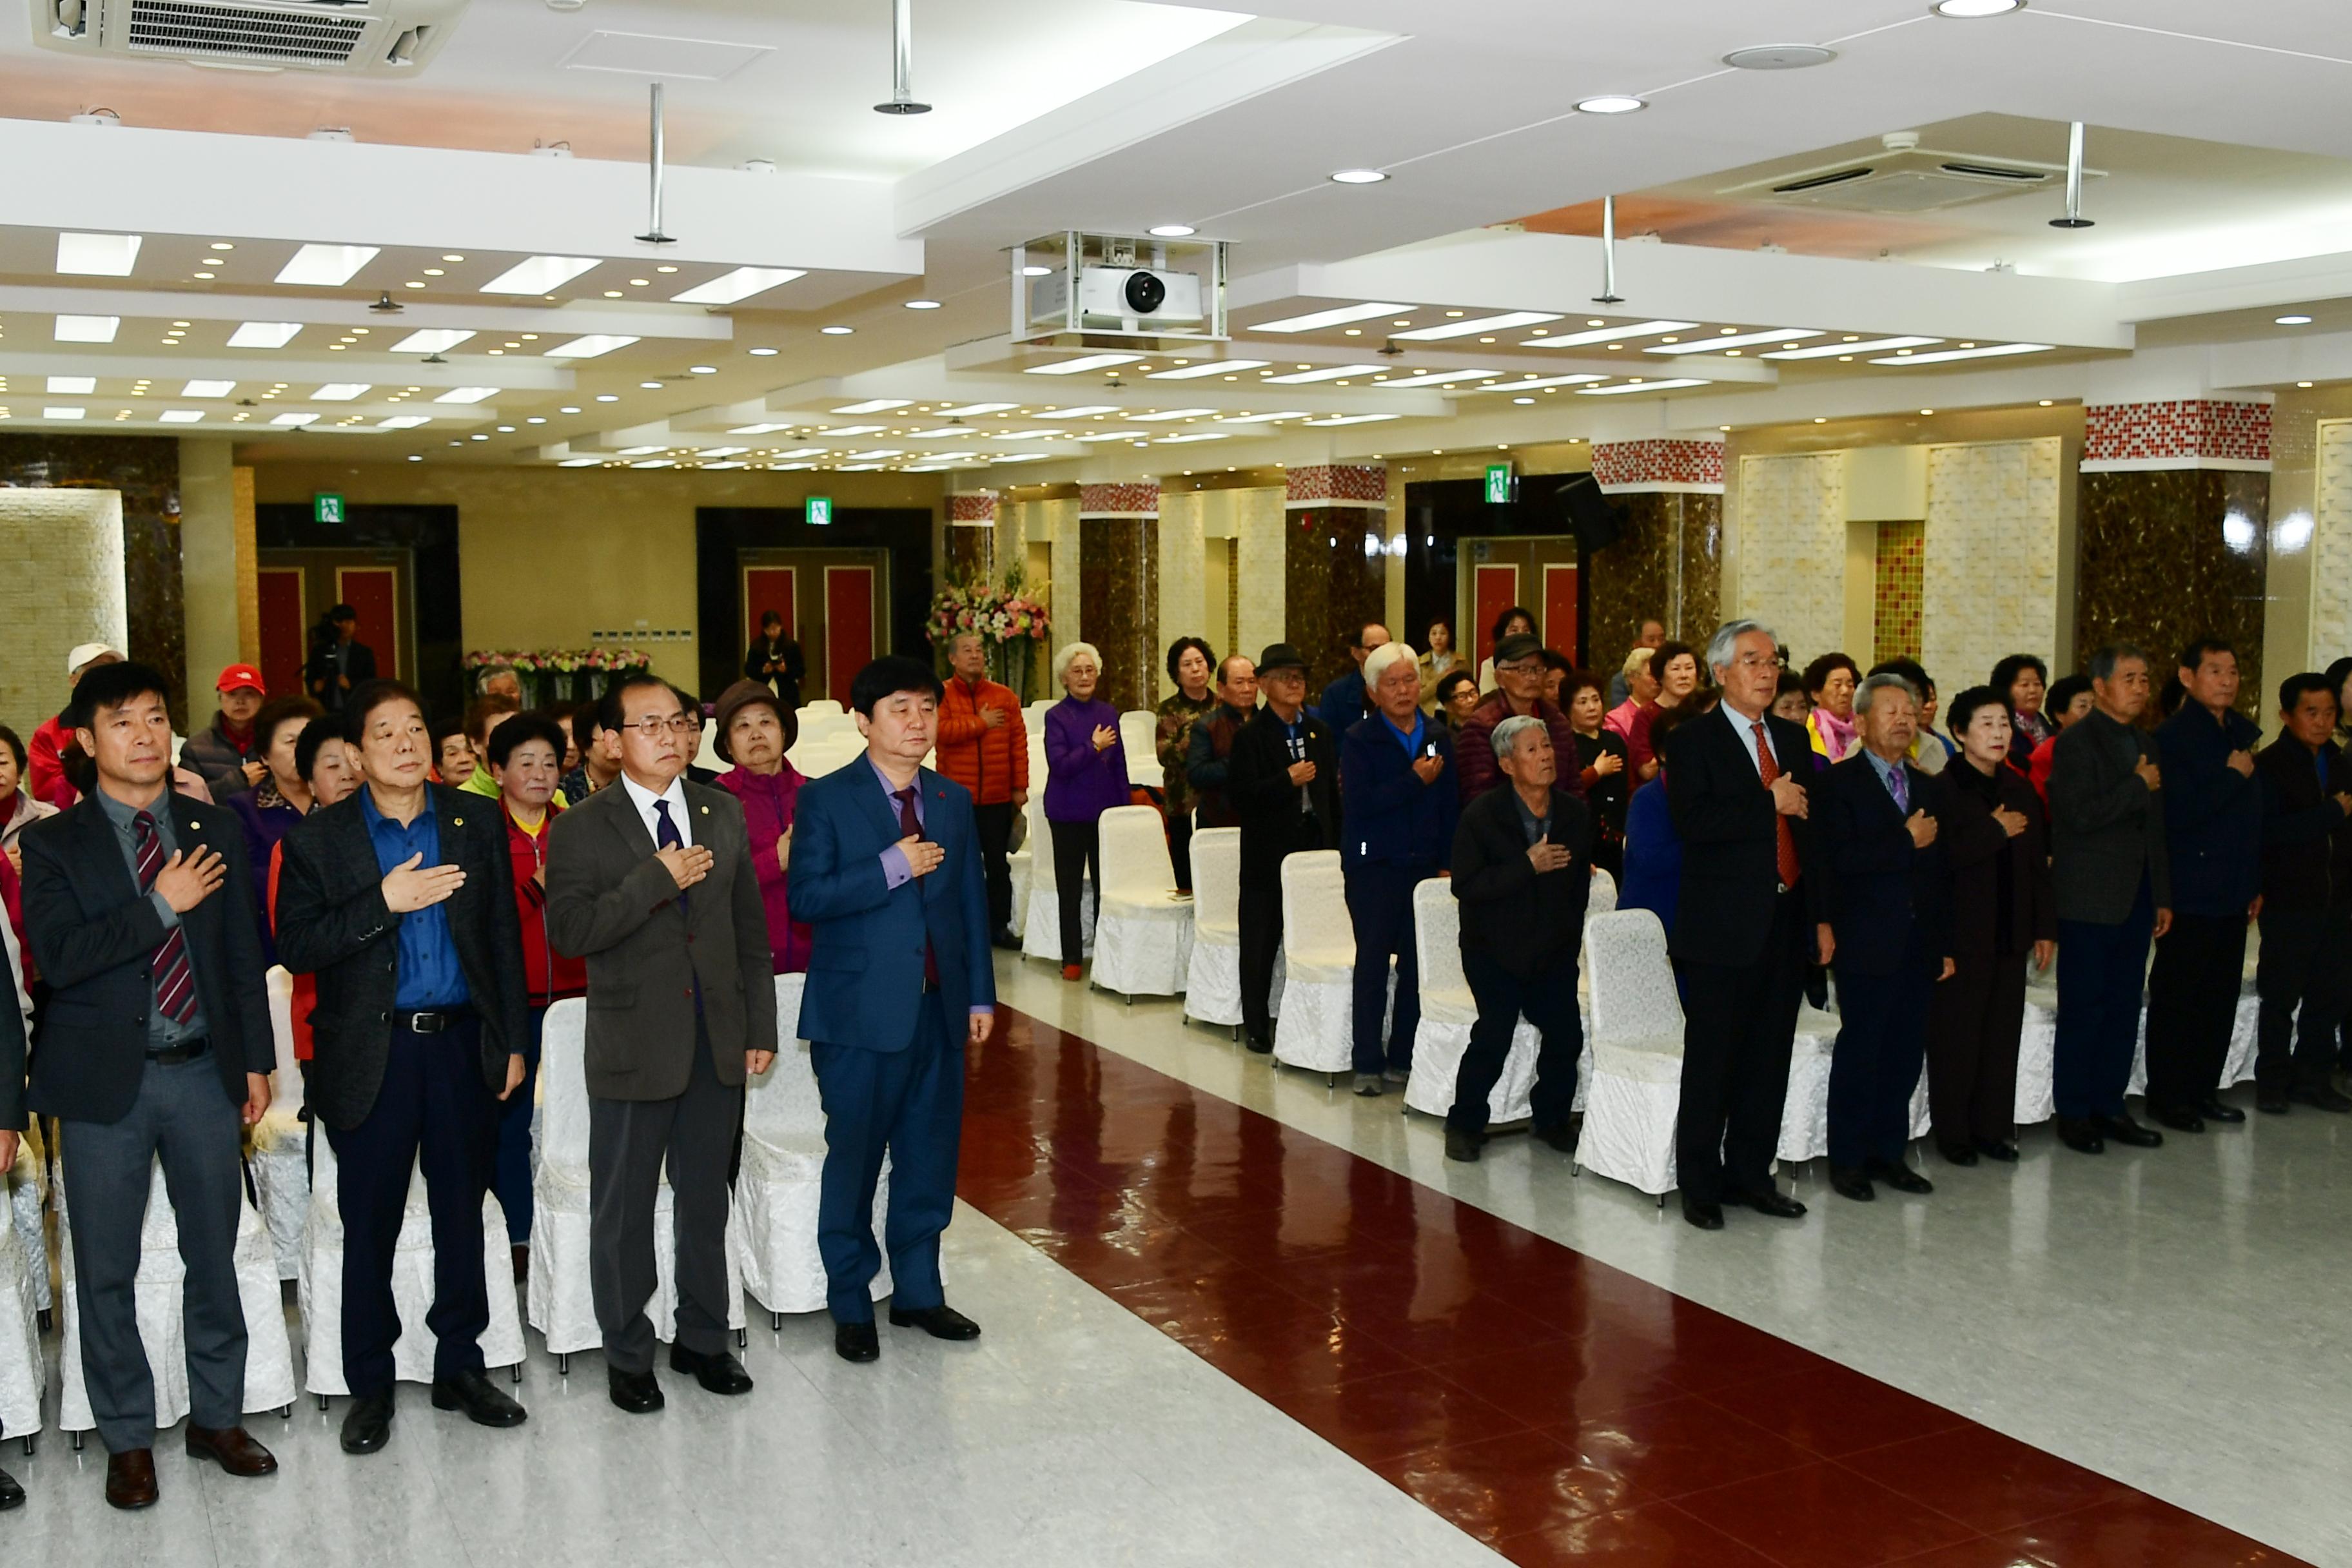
[(742, 695)]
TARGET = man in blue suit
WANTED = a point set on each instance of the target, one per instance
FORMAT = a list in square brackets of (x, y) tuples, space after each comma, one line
[(887, 868)]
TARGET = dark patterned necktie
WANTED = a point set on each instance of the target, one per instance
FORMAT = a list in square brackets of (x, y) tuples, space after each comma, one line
[(666, 837), (912, 825), (176, 983)]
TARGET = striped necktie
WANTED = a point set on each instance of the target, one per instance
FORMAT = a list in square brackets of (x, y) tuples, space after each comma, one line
[(176, 983)]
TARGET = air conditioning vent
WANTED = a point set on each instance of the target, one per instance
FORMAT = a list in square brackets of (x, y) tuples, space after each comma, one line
[(393, 38), (1818, 180), (1990, 172), (1905, 180)]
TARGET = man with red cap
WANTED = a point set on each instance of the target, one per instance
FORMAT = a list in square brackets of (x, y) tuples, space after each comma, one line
[(224, 753)]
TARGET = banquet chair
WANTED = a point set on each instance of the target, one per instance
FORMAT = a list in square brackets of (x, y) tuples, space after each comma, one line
[(280, 1164), (2037, 1048), (320, 1287), (1212, 971), (1601, 900), (1138, 736), (1635, 1089), (777, 1190), (269, 1357), (1315, 1030), (1040, 925), (27, 1190), (1143, 931), (1805, 1109), (23, 1371), (1020, 865), (1447, 1011), (560, 1300)]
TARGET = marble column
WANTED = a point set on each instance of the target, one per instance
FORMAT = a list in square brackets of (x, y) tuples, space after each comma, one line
[(1668, 562), (971, 536), (1334, 562), (1119, 591), (216, 560)]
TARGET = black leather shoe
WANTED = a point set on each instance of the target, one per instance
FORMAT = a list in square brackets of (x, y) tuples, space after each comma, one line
[(1995, 1149), (1562, 1137), (1848, 1183), (2083, 1137), (719, 1372), (939, 1323), (2123, 1129), (634, 1392), (367, 1427), (2321, 1099), (1003, 939), (2271, 1101), (1899, 1176), (479, 1398), (1705, 1215), (2178, 1119), (11, 1494), (856, 1341), (1771, 1201), (2216, 1109), (1957, 1153), (1259, 1046), (1463, 1144)]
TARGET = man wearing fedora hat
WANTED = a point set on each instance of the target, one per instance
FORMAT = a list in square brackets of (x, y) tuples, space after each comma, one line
[(1283, 782)]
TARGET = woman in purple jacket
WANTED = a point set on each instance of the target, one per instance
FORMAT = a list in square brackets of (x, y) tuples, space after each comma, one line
[(755, 731), (1086, 775)]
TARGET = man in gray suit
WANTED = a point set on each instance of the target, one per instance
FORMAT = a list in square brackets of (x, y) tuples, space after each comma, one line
[(652, 884), (2114, 886)]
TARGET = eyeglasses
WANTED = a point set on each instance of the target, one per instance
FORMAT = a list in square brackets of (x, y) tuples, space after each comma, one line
[(1520, 667), (651, 728)]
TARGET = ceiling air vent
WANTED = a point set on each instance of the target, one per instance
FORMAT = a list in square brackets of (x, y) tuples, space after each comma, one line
[(1905, 180), (389, 37)]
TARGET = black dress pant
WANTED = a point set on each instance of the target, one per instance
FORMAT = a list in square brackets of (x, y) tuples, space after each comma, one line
[(2192, 1007), (1380, 908), (1180, 849), (1973, 1026), (1548, 1001), (1077, 854), (1739, 1023), (1259, 914), (433, 1111), (2307, 962), (994, 826), (1874, 1067)]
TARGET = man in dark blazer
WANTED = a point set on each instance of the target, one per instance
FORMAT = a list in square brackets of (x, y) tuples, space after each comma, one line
[(2111, 873), (1396, 777), (340, 663), (2306, 921), (1879, 822), (12, 1107), (651, 881), (400, 902), (156, 1043), (1522, 875), (1282, 780), (1748, 913), (886, 868), (775, 660)]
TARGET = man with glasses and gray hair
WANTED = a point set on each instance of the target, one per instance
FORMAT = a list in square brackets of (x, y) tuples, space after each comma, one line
[(1520, 673), (1749, 913)]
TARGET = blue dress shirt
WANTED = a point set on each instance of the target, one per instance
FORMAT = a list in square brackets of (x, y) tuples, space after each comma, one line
[(430, 978)]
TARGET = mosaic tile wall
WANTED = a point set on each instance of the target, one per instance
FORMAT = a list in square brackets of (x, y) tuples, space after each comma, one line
[(1657, 461), (1635, 580), (1989, 576), (1792, 547), (1260, 541), (1182, 609), (2331, 546), (1895, 621), (64, 587), (2189, 428), (2171, 554), (1119, 593)]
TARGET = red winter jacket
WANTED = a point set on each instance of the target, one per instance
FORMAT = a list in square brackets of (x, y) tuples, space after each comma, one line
[(548, 973)]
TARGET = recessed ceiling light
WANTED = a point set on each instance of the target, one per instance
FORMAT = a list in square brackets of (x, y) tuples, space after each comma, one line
[(342, 391), (650, 385), (1173, 231), (1082, 364), (1925, 412), (837, 332), (568, 408), (763, 352), (453, 259), (1337, 317), (1779, 57), (181, 415), (86, 329), (740, 284), (73, 386), (208, 389), (922, 304), (63, 412), (874, 405), (434, 272), (294, 420), (431, 341), (1610, 103), (2291, 321), (1357, 176), (703, 368), (264, 335), (1968, 9), (403, 421), (2298, 383), (98, 255), (608, 397), (326, 266), (466, 395), (590, 346)]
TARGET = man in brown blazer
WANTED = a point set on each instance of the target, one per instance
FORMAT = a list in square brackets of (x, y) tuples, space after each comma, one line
[(652, 884)]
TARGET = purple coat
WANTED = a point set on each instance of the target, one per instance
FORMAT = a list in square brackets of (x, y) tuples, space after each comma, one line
[(768, 800), (1081, 782)]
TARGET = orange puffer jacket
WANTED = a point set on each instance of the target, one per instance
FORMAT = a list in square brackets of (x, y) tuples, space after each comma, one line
[(990, 763)]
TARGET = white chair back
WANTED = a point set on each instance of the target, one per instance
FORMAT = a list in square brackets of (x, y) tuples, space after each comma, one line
[(563, 1086), (1316, 929), (1138, 734), (706, 754), (1035, 714), (1633, 996), (1603, 898), (1041, 840), (1135, 863), (785, 1104), (816, 728), (821, 708), (1217, 879), (1437, 936), (286, 1078)]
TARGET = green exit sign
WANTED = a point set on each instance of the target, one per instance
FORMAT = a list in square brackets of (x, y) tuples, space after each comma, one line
[(327, 507), (1498, 484), (820, 511)]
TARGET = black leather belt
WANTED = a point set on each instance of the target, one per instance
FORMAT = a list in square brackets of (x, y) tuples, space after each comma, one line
[(436, 1021), (187, 1051)]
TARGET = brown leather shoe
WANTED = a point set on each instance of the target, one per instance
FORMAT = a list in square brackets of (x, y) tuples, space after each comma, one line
[(231, 1449), (131, 1479)]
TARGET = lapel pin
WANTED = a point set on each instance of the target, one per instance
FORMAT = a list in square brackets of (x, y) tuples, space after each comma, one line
[(456, 822), (706, 811)]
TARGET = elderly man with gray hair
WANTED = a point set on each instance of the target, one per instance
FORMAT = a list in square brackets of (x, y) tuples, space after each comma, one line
[(1399, 803), (1523, 874)]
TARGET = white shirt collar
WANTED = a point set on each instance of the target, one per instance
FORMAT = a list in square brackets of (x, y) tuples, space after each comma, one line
[(643, 799)]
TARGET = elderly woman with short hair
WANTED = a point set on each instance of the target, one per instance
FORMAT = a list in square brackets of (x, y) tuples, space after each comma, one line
[(1830, 682), (2023, 681), (1086, 775)]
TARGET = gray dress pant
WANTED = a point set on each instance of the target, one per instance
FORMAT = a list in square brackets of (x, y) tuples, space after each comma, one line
[(183, 1117)]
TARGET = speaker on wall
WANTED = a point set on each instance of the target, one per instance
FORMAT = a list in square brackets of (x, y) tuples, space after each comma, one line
[(1591, 516)]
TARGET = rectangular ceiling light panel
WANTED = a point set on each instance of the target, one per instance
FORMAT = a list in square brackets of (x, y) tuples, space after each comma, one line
[(1608, 334), (181, 415), (1080, 366), (431, 341), (73, 386), (86, 329), (403, 421), (874, 405), (1736, 341), (326, 266), (1540, 383), (1830, 351), (1328, 373), (538, 274), (962, 410), (1338, 316), (1167, 414), (1212, 367), (466, 395), (208, 389), (740, 284), (590, 347), (1631, 386), (1471, 328), (1446, 378), (342, 391), (1264, 418), (264, 335), (98, 255), (1946, 356)]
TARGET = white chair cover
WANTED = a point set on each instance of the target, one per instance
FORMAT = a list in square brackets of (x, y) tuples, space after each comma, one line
[(1143, 936), (2037, 1050), (280, 1164), (1041, 930), (822, 708), (776, 1191), (23, 1371), (1139, 737), (1635, 1089), (1212, 974), (269, 1357), (561, 1303), (27, 1202), (1602, 899), (1447, 1011), (1316, 1029)]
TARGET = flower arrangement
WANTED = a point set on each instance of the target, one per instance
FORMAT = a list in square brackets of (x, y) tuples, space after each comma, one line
[(1010, 622), (556, 675)]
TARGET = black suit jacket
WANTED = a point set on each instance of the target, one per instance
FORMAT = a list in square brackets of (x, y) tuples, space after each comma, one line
[(1258, 788), (332, 922), (1975, 845), (12, 1065), (94, 935), (791, 667), (1724, 815), (1889, 900), (1526, 922)]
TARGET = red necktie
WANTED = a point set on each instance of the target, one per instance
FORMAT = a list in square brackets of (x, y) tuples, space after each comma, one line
[(1784, 844), (912, 825), (176, 983)]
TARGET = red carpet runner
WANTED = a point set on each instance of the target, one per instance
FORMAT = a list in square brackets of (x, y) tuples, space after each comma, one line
[(1549, 1404)]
